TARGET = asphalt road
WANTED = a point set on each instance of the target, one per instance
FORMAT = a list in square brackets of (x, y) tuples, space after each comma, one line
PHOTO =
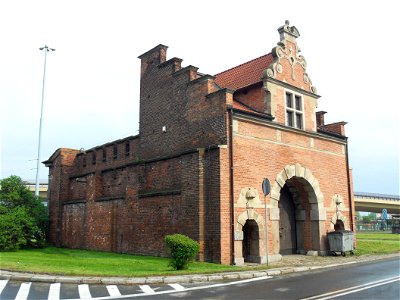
[(373, 280), (376, 280)]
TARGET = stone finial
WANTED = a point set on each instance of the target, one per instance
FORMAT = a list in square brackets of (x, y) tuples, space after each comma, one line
[(288, 32), (250, 194)]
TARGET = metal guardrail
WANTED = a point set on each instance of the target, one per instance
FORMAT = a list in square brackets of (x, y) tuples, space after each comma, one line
[(379, 196)]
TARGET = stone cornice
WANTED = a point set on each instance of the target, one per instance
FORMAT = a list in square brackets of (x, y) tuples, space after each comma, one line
[(289, 86), (266, 122)]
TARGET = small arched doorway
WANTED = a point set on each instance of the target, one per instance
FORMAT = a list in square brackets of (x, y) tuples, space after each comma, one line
[(251, 241), (287, 223), (339, 225)]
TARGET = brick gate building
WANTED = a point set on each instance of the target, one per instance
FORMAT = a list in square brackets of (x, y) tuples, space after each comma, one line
[(205, 145)]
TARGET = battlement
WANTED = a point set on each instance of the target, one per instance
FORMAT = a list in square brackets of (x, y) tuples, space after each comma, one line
[(176, 113)]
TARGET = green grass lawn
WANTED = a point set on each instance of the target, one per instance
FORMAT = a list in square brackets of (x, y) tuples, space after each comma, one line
[(377, 243), (95, 263)]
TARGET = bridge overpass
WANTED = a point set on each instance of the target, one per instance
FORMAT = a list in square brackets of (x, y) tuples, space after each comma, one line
[(370, 202)]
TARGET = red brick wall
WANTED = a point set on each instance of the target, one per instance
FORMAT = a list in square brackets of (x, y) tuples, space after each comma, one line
[(254, 97), (262, 151), (59, 170), (226, 208), (131, 208), (110, 161), (73, 225), (176, 99)]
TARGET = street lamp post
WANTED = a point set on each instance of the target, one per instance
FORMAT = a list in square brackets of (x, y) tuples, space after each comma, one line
[(46, 49)]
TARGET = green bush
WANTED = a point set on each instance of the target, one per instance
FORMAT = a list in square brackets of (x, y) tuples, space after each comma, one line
[(23, 218), (16, 228), (183, 250)]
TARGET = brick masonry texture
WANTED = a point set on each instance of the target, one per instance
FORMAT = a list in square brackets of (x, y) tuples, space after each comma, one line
[(197, 165)]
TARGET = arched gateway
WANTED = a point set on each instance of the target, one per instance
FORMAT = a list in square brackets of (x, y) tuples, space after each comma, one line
[(296, 218)]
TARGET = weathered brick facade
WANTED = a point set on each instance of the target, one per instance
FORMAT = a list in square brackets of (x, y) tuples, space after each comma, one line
[(205, 145)]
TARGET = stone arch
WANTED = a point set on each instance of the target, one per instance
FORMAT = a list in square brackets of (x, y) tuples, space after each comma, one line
[(339, 216), (249, 214), (297, 170), (337, 206), (294, 176)]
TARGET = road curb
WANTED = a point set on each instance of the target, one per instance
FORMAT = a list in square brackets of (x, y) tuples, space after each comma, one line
[(195, 278)]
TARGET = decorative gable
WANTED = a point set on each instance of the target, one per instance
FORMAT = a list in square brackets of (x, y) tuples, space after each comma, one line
[(288, 65)]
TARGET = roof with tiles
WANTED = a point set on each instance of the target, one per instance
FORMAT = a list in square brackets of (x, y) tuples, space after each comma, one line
[(238, 105), (241, 106), (245, 74)]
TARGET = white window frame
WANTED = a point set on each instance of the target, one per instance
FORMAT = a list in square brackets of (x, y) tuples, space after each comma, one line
[(293, 109)]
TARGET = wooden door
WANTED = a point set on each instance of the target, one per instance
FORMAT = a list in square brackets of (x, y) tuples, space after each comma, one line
[(287, 223)]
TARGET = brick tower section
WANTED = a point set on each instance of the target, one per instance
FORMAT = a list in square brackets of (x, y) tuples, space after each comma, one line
[(176, 112)]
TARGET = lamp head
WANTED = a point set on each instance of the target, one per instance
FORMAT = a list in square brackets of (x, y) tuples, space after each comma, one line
[(47, 48)]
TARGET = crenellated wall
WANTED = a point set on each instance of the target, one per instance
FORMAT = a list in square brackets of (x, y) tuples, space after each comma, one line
[(178, 111)]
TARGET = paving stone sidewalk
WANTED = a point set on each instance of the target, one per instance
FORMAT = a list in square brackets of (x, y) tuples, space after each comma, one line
[(289, 264)]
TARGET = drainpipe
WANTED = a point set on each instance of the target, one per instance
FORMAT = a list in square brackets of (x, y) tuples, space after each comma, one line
[(349, 186), (230, 112)]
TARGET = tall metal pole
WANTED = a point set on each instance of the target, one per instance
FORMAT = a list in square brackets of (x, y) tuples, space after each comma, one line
[(46, 49)]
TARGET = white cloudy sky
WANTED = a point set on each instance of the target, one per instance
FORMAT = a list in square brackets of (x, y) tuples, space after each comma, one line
[(92, 80)]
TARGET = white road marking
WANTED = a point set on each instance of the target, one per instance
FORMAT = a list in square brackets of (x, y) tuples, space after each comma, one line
[(3, 284), (113, 290), (353, 289), (147, 289), (177, 286), (187, 289), (23, 291), (84, 292), (54, 291)]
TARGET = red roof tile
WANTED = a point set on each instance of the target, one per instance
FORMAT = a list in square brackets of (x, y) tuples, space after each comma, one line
[(240, 106), (244, 74)]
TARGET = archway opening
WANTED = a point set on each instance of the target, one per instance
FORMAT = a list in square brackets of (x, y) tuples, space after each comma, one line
[(251, 241), (339, 225), (301, 190), (299, 224)]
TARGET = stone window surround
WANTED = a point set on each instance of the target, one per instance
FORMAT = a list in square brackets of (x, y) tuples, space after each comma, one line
[(294, 110)]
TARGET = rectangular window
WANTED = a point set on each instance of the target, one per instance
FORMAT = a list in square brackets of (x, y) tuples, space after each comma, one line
[(298, 102), (104, 154), (84, 161), (294, 110), (115, 151), (299, 121), (94, 158), (289, 100), (289, 118), (127, 148)]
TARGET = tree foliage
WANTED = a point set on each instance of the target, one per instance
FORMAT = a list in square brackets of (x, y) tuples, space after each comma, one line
[(366, 219), (23, 218), (183, 250)]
